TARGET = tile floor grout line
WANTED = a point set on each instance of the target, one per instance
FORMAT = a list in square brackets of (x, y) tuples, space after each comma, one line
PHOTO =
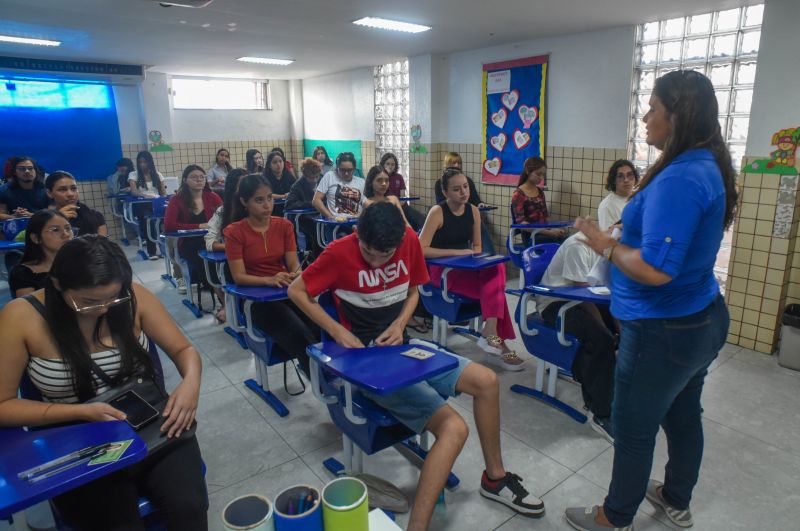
[(753, 437)]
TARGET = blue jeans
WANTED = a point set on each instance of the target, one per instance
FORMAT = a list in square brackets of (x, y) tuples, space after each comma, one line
[(661, 366)]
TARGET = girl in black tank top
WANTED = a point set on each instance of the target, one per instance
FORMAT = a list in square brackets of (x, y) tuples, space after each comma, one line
[(448, 234)]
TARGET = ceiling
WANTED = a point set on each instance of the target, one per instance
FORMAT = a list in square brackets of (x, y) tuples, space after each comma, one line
[(317, 34)]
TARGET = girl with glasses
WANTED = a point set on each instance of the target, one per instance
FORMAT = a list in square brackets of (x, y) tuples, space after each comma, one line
[(622, 179), (90, 310), (24, 194), (47, 231)]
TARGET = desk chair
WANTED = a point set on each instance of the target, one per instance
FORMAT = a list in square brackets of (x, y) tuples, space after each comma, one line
[(514, 250), (366, 427), (303, 245), (234, 317), (554, 349), (186, 270)]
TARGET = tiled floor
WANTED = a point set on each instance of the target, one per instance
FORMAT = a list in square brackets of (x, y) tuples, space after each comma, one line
[(749, 480)]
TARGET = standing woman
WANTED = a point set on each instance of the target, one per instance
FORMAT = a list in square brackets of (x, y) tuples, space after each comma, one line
[(46, 232), (453, 228), (62, 189), (220, 169), (279, 178), (673, 319), (622, 178), (529, 203), (254, 161), (190, 209), (321, 155), (261, 251), (146, 181)]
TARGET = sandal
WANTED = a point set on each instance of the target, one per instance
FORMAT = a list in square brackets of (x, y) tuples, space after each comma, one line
[(418, 327), (220, 316)]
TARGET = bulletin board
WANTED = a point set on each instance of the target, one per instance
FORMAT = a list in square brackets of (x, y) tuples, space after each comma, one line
[(513, 117)]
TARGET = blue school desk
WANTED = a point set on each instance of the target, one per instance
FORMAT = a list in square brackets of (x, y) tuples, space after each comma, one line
[(233, 326), (23, 450), (128, 201), (324, 223), (6, 246), (487, 208), (515, 251), (116, 210), (178, 234), (409, 199)]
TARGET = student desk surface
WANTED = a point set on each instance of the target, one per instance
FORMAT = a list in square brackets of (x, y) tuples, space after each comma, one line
[(573, 293), (471, 263), (257, 293), (6, 245), (323, 222)]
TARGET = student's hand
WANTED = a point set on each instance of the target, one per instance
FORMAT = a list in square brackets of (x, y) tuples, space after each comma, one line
[(69, 211), (466, 252), (100, 412), (595, 238), (203, 226), (346, 339), (281, 280), (181, 408), (391, 336), (22, 212)]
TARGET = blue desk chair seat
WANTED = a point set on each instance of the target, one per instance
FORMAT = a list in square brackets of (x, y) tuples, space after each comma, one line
[(554, 349), (192, 282), (446, 308)]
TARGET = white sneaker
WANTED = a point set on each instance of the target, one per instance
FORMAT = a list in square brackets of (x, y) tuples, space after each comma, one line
[(154, 257), (181, 285), (508, 361)]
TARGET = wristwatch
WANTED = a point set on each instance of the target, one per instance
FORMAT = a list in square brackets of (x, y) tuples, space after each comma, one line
[(609, 251)]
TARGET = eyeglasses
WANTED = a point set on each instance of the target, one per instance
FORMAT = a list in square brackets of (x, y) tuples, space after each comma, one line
[(102, 306), (66, 229), (343, 170), (626, 176), (24, 169)]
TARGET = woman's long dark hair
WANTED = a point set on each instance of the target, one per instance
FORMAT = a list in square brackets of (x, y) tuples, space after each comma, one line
[(386, 157), (151, 168), (88, 262), (34, 253), (369, 189), (183, 191), (228, 166), (611, 180), (229, 199), (250, 161), (286, 174), (248, 186), (39, 181), (321, 149), (531, 165), (689, 99)]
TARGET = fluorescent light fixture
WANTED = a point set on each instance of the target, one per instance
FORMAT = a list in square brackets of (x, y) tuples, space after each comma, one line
[(394, 25), (266, 61), (26, 40)]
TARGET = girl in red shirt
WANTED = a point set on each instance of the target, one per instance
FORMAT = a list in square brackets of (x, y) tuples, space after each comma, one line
[(261, 251)]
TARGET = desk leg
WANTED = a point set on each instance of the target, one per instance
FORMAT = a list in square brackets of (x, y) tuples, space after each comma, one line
[(260, 386), (548, 397)]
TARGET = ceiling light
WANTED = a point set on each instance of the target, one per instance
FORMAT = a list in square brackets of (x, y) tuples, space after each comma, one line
[(394, 25), (266, 61), (26, 40)]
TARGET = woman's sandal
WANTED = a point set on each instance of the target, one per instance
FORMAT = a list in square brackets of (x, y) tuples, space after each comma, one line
[(218, 313), (418, 327)]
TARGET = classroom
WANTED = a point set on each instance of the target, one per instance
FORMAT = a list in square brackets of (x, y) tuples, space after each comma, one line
[(564, 278)]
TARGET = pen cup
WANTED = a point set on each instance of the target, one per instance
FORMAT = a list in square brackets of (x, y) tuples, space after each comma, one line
[(251, 512), (345, 505), (294, 511)]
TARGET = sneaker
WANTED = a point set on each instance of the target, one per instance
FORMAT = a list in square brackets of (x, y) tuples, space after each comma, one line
[(508, 361), (602, 425), (181, 283), (154, 257), (582, 519), (492, 344), (679, 517), (509, 491)]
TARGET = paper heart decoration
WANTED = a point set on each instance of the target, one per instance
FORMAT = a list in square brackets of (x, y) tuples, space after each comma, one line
[(510, 99), (493, 165), (521, 139), (528, 115), (499, 142), (499, 118)]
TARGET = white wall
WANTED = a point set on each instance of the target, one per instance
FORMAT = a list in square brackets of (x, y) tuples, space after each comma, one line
[(340, 106), (420, 89), (588, 88), (130, 114), (157, 107), (775, 102)]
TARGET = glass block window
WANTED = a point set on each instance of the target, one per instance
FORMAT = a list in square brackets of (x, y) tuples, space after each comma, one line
[(392, 108), (722, 45)]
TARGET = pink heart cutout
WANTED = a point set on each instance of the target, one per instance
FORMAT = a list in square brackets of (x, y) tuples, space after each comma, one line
[(499, 142), (521, 139), (493, 165), (499, 118), (528, 115), (510, 99)]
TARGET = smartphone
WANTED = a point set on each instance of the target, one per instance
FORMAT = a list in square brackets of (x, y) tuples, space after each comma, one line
[(138, 411)]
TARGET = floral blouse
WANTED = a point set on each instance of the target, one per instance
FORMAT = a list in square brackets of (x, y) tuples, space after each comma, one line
[(529, 209)]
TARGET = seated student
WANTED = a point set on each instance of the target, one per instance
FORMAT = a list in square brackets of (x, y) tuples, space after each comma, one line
[(24, 194), (189, 209), (301, 196), (279, 178), (591, 324), (321, 155), (376, 190), (62, 189), (287, 163), (529, 204), (219, 220), (91, 310), (453, 160), (117, 182), (46, 232), (261, 251), (146, 181), (379, 314), (397, 188), (253, 161), (622, 178), (340, 194), (453, 228), (221, 168)]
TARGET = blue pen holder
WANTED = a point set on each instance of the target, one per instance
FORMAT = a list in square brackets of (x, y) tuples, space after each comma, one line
[(12, 227), (294, 511)]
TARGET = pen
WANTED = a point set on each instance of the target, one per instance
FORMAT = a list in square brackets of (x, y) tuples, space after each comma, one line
[(78, 454), (72, 464)]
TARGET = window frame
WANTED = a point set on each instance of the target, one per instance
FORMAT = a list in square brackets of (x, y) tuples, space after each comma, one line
[(262, 87)]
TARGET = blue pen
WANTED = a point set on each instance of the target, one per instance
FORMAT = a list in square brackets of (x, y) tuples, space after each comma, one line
[(301, 505)]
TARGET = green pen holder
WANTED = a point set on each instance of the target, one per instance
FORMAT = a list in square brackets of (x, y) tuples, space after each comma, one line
[(295, 512), (345, 506)]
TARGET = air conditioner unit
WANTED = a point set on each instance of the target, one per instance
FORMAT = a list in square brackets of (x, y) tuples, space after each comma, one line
[(74, 70), (183, 3)]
